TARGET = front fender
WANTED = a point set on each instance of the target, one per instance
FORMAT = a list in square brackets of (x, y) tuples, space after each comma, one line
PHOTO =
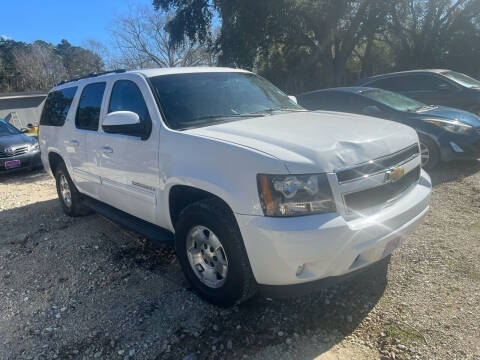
[(228, 171)]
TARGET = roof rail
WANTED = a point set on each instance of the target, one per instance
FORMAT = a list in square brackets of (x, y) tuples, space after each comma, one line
[(118, 71)]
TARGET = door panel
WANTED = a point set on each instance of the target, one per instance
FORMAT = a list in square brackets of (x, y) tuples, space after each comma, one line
[(85, 131), (129, 165)]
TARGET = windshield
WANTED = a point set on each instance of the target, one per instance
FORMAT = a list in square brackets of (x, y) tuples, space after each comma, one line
[(202, 99), (462, 79), (393, 100), (6, 129)]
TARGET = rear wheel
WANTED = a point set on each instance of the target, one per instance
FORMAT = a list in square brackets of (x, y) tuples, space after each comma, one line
[(429, 152), (212, 255), (68, 194)]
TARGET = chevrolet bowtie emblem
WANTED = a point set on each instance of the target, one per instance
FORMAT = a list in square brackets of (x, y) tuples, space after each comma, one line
[(394, 174)]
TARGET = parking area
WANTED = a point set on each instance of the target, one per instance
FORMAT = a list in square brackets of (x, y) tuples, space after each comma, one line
[(79, 288)]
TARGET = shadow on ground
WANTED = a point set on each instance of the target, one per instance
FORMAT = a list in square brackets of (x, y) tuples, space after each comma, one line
[(453, 171), (122, 292)]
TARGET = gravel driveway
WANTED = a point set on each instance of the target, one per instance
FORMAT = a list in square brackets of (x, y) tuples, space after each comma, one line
[(85, 288)]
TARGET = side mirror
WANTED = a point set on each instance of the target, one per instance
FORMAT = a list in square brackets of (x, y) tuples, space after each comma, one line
[(119, 118), (372, 110), (30, 126), (123, 122), (293, 98)]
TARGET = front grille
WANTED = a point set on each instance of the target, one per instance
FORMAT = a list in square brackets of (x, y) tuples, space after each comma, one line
[(17, 151), (379, 195), (378, 165)]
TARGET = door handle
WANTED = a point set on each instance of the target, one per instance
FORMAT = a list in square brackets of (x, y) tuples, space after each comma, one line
[(106, 150), (74, 142)]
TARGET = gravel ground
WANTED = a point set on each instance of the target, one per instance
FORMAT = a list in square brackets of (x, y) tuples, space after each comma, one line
[(85, 288)]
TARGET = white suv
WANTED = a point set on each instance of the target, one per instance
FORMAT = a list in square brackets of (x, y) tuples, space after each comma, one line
[(255, 191)]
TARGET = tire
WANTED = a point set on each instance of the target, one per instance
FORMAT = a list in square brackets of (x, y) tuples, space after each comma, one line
[(74, 206), (196, 223), (427, 145)]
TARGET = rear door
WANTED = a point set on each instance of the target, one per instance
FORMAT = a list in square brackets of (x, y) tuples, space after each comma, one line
[(85, 168), (129, 163)]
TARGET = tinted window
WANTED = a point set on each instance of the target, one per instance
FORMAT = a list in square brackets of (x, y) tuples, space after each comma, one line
[(334, 101), (409, 83), (202, 99), (126, 96), (392, 84), (89, 107), (57, 106), (426, 83)]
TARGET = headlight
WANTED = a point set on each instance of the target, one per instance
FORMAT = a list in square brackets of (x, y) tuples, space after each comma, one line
[(454, 126), (295, 195), (35, 147)]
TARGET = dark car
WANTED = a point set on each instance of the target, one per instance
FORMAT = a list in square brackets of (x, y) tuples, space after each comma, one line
[(445, 133), (440, 87), (17, 150)]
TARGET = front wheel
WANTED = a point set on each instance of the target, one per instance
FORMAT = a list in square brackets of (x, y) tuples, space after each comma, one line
[(212, 255), (429, 152)]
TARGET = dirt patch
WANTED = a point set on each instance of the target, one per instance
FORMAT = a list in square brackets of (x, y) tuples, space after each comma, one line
[(86, 288)]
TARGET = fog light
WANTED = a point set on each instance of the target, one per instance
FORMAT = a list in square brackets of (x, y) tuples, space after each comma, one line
[(300, 269), (455, 147)]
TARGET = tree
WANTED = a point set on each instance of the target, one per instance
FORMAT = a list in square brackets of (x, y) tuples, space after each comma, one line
[(422, 31), (38, 67), (41, 65), (140, 41), (77, 60), (313, 38)]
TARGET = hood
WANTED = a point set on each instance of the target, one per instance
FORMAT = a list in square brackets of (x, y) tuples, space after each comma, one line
[(317, 141), (15, 140), (448, 113)]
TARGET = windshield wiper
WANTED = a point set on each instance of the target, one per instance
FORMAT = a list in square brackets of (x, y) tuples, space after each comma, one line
[(193, 123), (271, 110)]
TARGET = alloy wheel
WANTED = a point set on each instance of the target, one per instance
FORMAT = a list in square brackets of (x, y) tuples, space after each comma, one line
[(207, 257), (425, 154), (65, 191)]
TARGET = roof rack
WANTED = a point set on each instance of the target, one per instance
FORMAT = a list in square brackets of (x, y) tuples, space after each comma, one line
[(118, 71)]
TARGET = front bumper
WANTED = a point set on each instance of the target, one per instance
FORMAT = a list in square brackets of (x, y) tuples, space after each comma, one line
[(27, 160), (329, 245), (470, 144)]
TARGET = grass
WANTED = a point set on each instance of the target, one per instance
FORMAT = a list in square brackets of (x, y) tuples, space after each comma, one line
[(405, 333)]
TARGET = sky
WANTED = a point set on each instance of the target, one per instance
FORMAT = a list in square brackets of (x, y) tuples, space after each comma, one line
[(54, 20)]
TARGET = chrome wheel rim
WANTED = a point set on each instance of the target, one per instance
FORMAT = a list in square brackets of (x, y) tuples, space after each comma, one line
[(425, 154), (207, 257), (65, 191)]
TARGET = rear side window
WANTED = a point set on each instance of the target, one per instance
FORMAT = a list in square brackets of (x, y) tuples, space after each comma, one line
[(334, 101), (57, 106), (320, 101), (126, 96), (88, 111), (414, 82), (392, 84)]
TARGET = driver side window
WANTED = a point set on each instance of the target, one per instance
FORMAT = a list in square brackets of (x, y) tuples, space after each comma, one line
[(126, 96)]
